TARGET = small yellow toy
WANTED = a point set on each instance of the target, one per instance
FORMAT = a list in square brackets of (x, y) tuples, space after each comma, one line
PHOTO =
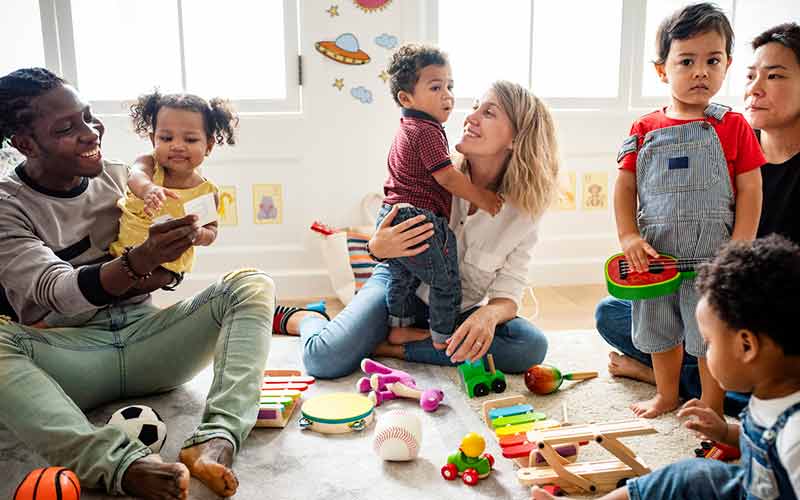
[(469, 461)]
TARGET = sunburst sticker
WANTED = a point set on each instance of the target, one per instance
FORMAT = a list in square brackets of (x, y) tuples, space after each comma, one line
[(372, 5)]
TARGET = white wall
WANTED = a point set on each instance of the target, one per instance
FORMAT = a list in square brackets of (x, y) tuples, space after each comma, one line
[(333, 152)]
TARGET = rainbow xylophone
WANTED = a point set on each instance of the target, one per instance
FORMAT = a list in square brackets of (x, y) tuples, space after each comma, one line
[(280, 393)]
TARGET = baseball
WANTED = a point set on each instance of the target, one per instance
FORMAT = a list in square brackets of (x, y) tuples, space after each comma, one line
[(398, 436)]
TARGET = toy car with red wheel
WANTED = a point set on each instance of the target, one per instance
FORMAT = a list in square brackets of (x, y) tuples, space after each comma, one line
[(469, 461)]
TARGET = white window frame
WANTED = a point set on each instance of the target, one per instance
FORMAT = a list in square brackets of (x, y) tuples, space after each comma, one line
[(431, 34), (59, 55), (638, 100), (631, 64)]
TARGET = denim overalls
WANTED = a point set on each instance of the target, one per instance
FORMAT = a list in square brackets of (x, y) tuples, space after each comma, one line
[(759, 474), (686, 209), (765, 477)]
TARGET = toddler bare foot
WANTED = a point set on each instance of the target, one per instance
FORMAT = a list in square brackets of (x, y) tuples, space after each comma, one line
[(620, 365), (150, 477), (403, 335), (654, 407), (210, 462)]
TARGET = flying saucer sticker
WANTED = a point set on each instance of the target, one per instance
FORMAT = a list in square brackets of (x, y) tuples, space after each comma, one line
[(267, 204), (567, 190), (372, 5), (386, 41), (228, 208), (363, 94), (344, 50), (595, 191)]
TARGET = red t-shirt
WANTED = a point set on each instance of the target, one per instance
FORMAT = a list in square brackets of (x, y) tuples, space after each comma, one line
[(739, 142), (419, 149)]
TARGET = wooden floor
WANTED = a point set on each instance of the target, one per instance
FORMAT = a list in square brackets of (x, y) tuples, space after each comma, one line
[(560, 307)]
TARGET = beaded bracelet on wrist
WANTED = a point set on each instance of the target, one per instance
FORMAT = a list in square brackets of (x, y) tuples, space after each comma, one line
[(126, 265), (372, 255)]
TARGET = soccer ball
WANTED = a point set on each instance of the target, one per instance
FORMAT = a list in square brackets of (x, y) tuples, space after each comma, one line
[(142, 423)]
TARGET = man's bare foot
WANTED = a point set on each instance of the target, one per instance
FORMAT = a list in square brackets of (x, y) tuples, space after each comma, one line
[(654, 407), (620, 365), (210, 462), (399, 335), (151, 478)]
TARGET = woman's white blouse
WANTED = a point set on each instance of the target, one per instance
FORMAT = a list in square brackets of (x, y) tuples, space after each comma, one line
[(494, 253)]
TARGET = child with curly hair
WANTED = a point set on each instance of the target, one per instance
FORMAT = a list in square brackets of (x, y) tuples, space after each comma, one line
[(423, 180), (747, 315), (183, 129)]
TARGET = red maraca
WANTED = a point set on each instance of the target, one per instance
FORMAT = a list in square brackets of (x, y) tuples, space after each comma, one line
[(546, 379)]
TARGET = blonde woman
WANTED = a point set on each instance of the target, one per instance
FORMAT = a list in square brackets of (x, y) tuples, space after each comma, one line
[(508, 145)]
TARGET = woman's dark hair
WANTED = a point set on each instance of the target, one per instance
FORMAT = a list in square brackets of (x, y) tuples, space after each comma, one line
[(690, 21), (17, 89), (786, 34), (756, 286), (406, 63), (218, 116)]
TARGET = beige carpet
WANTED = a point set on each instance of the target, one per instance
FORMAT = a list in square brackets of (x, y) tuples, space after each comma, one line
[(290, 464)]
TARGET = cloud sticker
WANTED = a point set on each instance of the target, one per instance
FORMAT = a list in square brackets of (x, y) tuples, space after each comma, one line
[(363, 94), (386, 41)]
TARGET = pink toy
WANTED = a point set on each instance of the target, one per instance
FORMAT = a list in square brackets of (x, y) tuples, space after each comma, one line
[(384, 384)]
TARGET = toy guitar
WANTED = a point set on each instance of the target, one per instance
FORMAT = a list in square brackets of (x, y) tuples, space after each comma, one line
[(663, 277)]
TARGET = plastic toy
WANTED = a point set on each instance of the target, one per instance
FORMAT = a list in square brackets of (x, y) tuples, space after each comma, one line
[(469, 461), (319, 306), (479, 380), (322, 228), (663, 277), (546, 379), (337, 413), (592, 477), (280, 393), (50, 483), (511, 418), (384, 384), (717, 451)]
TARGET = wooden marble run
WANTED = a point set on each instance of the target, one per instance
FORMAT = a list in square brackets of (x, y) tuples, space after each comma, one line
[(280, 394), (582, 477)]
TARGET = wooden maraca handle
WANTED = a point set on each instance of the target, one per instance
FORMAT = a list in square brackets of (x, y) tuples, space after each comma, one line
[(580, 375)]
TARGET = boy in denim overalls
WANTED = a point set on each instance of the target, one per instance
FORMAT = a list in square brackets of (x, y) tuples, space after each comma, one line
[(748, 317), (695, 169)]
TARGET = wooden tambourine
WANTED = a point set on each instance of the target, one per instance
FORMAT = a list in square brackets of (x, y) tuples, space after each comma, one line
[(337, 413)]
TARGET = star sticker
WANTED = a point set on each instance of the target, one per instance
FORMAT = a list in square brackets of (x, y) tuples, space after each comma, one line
[(338, 83), (384, 76), (333, 11)]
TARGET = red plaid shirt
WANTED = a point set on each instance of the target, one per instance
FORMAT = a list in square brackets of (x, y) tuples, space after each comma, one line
[(419, 149)]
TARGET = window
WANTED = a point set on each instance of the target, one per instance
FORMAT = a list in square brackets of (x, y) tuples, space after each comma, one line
[(22, 30), (541, 44), (748, 19), (114, 50)]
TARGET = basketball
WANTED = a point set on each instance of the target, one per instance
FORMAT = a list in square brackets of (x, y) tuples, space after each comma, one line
[(52, 483)]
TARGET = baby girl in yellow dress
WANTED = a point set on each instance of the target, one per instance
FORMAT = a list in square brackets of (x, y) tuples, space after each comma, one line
[(183, 129)]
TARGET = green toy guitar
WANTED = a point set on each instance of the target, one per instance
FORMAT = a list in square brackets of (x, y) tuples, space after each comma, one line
[(664, 276)]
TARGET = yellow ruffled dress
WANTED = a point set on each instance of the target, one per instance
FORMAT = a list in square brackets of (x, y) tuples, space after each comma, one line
[(135, 223)]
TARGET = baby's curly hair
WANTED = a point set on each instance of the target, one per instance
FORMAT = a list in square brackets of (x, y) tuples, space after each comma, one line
[(218, 115), (756, 286), (406, 63)]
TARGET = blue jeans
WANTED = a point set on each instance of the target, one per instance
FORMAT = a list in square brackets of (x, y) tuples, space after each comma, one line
[(335, 348), (437, 267), (689, 480), (613, 317)]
